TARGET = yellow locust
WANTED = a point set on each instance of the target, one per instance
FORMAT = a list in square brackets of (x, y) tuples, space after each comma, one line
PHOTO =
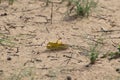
[(58, 45)]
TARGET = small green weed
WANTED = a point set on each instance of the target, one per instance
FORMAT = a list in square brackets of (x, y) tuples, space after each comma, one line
[(93, 55), (94, 50), (6, 41), (82, 7), (9, 1), (114, 55), (26, 73)]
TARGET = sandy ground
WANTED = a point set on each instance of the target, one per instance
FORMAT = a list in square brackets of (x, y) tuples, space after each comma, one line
[(30, 25)]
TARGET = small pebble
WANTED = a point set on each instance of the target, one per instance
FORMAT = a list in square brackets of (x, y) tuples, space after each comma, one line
[(1, 72), (4, 14), (88, 65), (9, 58), (69, 78), (118, 70)]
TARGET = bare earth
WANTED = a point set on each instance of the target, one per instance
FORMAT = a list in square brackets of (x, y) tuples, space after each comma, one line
[(30, 25)]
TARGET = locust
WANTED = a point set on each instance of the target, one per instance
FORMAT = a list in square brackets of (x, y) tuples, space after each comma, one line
[(58, 45)]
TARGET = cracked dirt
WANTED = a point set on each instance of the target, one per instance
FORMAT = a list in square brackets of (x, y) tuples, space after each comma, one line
[(29, 25)]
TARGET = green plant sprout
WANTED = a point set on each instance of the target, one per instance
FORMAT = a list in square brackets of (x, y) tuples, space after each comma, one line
[(93, 55), (9, 1), (24, 73), (6, 42), (115, 55), (82, 7)]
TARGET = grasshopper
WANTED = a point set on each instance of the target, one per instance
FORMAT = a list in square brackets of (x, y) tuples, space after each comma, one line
[(58, 45)]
